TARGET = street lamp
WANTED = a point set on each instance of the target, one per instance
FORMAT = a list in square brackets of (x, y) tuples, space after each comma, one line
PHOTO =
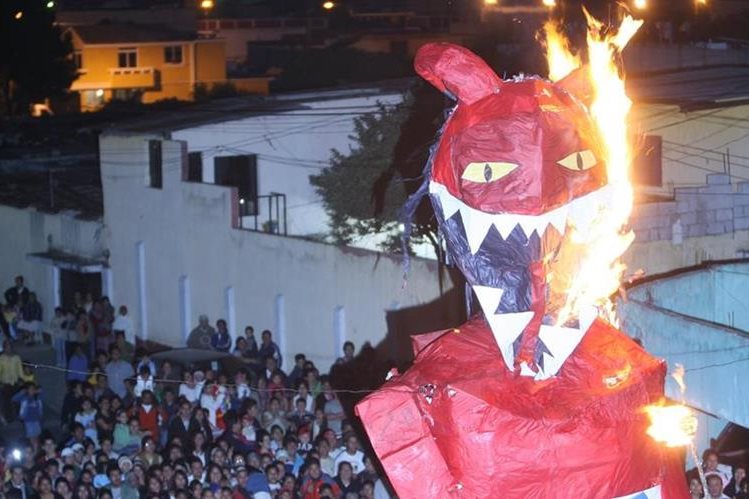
[(207, 4), (549, 3), (19, 15), (328, 5), (641, 4)]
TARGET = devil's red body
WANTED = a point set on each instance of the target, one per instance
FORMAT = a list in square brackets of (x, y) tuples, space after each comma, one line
[(512, 404)]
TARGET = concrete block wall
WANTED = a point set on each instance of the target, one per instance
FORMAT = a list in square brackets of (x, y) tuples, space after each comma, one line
[(714, 209)]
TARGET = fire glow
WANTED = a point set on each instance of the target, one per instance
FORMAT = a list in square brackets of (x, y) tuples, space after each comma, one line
[(599, 271), (672, 425)]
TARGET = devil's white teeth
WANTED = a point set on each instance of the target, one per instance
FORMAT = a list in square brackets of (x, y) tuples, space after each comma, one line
[(488, 297), (450, 204), (558, 218), (561, 341), (506, 329), (582, 212), (505, 225), (477, 225)]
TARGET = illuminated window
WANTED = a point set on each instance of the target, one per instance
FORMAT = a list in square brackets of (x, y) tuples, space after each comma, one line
[(173, 54), (127, 58)]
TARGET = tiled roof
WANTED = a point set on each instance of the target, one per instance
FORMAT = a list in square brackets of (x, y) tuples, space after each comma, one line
[(115, 33)]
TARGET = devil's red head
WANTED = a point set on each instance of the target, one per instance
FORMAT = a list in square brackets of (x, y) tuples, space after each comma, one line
[(517, 163)]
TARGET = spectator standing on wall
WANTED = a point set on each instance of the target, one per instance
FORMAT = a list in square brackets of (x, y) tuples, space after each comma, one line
[(269, 349), (201, 336), (117, 371), (30, 324), (124, 323), (11, 373), (220, 339), (18, 294), (78, 364), (30, 412)]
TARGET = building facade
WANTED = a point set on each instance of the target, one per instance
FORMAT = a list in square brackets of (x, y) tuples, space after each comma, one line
[(178, 250), (143, 63)]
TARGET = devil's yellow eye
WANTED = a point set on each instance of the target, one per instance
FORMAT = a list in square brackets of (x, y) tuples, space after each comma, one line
[(488, 171), (579, 161)]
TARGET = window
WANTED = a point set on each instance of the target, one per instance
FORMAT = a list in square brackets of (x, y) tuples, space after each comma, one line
[(155, 164), (646, 166), (239, 172), (127, 94), (127, 58), (194, 167), (78, 59), (173, 54)]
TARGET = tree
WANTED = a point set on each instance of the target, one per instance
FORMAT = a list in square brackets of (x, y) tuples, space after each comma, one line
[(364, 190), (36, 58), (349, 187)]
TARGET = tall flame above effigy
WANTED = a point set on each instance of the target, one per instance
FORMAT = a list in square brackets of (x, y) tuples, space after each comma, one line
[(537, 396)]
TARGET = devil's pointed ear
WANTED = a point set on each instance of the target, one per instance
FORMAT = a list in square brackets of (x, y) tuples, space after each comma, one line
[(456, 71), (578, 84)]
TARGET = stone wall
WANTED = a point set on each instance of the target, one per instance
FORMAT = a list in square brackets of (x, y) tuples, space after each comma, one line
[(711, 210)]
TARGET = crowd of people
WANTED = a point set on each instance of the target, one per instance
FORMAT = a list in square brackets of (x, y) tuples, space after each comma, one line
[(134, 426), (723, 482)]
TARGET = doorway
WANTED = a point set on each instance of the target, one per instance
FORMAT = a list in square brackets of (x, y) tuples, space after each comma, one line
[(81, 282)]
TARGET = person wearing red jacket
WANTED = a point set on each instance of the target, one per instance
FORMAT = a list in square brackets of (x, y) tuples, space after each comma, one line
[(149, 414), (315, 479)]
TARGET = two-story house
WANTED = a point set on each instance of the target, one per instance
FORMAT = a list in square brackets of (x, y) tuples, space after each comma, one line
[(141, 62)]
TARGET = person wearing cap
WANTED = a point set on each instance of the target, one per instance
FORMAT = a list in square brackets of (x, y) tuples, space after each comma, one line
[(201, 336)]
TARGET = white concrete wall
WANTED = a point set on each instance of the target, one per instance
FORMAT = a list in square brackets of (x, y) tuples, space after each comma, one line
[(290, 146), (186, 232), (715, 357), (694, 142), (716, 293), (29, 231)]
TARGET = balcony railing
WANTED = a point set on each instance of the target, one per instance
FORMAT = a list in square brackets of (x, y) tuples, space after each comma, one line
[(138, 77), (264, 214)]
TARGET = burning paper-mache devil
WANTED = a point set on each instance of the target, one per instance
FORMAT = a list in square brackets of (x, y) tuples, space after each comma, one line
[(536, 397)]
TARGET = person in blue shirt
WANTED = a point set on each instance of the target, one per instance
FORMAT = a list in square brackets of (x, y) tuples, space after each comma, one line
[(30, 412), (78, 365), (268, 348), (221, 339)]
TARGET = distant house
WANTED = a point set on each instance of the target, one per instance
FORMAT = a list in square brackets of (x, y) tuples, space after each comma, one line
[(144, 63)]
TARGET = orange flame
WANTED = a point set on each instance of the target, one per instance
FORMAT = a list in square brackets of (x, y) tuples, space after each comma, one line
[(672, 425), (560, 58), (599, 271)]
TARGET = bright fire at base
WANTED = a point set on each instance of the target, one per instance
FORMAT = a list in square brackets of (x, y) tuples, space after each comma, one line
[(672, 425)]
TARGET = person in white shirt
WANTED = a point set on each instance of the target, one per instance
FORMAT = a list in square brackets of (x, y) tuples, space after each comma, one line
[(715, 487), (352, 455), (190, 389), (304, 394), (124, 323), (144, 381), (711, 466)]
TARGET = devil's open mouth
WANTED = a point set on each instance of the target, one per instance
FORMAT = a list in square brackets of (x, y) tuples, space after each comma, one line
[(495, 253)]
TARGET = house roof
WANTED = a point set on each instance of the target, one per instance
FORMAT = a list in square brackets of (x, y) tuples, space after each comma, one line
[(694, 88), (119, 33), (218, 111), (77, 189)]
